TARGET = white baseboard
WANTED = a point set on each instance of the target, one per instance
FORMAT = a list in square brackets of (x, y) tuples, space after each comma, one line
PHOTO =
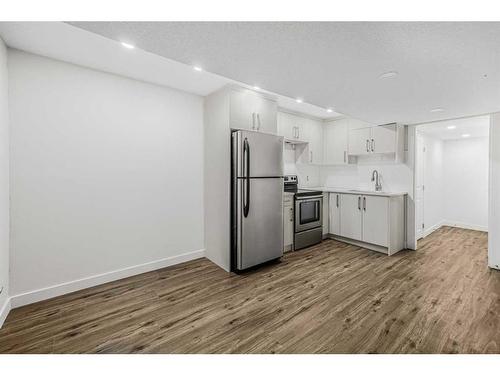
[(72, 286), (433, 228), (454, 224), (465, 226), (4, 311)]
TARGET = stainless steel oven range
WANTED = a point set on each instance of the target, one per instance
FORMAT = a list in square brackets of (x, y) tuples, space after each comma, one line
[(308, 214)]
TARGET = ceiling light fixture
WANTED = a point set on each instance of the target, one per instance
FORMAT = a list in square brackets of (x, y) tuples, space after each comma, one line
[(299, 100), (465, 135), (451, 127), (388, 75), (197, 68), (128, 45), (435, 110), (256, 88), (329, 110)]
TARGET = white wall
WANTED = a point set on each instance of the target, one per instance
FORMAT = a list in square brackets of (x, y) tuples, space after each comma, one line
[(494, 194), (466, 182), (106, 175), (4, 185)]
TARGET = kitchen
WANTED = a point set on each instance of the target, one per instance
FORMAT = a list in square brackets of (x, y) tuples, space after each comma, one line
[(186, 195)]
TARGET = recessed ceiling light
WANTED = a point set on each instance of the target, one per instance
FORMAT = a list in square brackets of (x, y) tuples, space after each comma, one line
[(437, 110), (329, 110), (465, 135), (388, 75), (256, 88), (451, 127), (128, 45), (299, 100), (197, 68)]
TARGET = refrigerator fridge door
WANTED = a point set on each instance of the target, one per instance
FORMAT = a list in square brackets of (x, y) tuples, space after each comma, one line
[(261, 153), (259, 234)]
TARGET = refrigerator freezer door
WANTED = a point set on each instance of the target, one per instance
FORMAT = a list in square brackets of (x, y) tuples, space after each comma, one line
[(264, 152), (260, 233)]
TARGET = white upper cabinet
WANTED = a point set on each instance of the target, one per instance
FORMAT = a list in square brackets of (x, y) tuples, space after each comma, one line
[(335, 134), (249, 110), (383, 139), (359, 141), (286, 125), (373, 140), (313, 134)]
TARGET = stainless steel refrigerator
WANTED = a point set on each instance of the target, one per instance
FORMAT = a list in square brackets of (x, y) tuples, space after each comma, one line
[(256, 198)]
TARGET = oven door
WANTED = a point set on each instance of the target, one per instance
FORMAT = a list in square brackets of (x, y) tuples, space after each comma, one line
[(308, 213)]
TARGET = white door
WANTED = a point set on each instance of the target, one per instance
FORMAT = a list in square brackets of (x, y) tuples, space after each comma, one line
[(243, 109), (383, 139), (266, 113), (376, 220), (335, 142), (419, 186), (350, 216), (359, 141), (335, 199)]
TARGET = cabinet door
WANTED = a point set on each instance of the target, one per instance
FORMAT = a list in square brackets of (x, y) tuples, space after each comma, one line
[(326, 213), (335, 142), (266, 112), (375, 220), (287, 225), (335, 201), (243, 109), (383, 139), (285, 125), (350, 216), (359, 141), (315, 138)]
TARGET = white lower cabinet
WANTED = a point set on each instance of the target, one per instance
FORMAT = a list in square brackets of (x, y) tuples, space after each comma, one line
[(288, 229), (351, 217), (372, 221), (375, 219), (334, 216)]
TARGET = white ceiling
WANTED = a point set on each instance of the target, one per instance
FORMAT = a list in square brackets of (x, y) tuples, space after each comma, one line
[(473, 126), (64, 42), (337, 64)]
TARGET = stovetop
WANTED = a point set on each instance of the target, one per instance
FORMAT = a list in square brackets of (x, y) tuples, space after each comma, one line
[(291, 186)]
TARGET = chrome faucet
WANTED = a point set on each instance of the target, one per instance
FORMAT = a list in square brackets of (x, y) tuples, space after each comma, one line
[(375, 177)]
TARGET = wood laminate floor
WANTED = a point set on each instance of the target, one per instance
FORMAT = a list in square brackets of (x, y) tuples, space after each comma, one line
[(330, 298)]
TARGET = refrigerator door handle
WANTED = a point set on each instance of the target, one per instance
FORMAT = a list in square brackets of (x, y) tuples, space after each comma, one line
[(246, 156)]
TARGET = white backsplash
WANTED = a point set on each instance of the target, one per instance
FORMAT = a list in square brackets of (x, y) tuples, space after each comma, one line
[(308, 175), (396, 177)]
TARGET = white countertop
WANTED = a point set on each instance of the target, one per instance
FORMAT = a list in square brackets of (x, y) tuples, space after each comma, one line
[(355, 191)]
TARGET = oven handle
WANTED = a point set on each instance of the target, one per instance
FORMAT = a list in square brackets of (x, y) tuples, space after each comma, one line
[(309, 198)]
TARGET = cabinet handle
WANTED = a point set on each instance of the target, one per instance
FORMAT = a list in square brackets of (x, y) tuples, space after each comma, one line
[(364, 203), (258, 121), (291, 213), (253, 120), (337, 200), (359, 203), (310, 156), (345, 156), (367, 145), (373, 145)]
